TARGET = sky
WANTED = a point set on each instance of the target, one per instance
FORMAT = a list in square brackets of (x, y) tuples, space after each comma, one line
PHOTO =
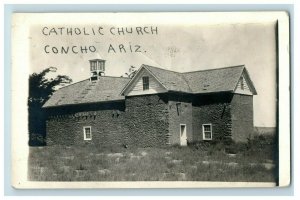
[(180, 46)]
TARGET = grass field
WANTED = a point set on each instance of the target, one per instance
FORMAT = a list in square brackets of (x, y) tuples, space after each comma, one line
[(193, 163)]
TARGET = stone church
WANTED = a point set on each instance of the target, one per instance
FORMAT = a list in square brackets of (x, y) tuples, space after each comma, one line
[(157, 107)]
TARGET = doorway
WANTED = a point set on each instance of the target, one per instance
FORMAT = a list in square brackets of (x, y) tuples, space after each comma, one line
[(183, 137)]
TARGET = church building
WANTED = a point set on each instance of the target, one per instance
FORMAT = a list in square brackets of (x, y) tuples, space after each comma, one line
[(155, 108)]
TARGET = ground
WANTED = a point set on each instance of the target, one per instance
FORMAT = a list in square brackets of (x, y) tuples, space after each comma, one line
[(198, 162)]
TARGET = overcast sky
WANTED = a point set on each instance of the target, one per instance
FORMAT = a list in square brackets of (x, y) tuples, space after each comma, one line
[(179, 47)]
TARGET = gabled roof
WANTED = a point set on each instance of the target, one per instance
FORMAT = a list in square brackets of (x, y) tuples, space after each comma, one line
[(172, 81), (105, 89), (113, 88), (204, 81), (214, 80)]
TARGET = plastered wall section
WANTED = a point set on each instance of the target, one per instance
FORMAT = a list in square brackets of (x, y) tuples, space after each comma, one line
[(242, 117)]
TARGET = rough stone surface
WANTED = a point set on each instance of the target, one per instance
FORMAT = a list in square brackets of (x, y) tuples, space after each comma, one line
[(144, 123), (107, 121), (147, 120), (152, 120), (215, 110)]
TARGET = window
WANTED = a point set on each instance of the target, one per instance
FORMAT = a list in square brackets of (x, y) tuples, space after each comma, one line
[(101, 66), (242, 83), (178, 108), (207, 131), (93, 66), (145, 83), (87, 133)]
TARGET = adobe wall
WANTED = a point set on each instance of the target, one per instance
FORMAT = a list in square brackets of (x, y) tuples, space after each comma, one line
[(108, 124), (215, 110), (242, 117), (180, 112), (147, 120)]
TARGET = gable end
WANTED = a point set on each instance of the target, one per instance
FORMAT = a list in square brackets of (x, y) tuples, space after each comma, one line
[(244, 84), (137, 85)]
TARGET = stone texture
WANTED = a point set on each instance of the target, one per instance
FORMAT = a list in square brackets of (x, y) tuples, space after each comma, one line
[(152, 120), (144, 123), (107, 121), (147, 120), (215, 110)]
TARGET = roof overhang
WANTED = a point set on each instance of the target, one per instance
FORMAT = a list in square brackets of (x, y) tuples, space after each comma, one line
[(88, 103)]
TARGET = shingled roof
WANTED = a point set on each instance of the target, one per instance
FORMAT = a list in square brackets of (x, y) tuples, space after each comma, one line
[(105, 89), (112, 88), (214, 80), (172, 81), (204, 81)]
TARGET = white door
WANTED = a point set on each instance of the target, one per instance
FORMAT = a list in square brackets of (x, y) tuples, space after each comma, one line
[(183, 138)]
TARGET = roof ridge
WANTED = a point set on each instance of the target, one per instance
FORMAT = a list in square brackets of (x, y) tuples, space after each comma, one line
[(243, 65), (89, 78), (73, 83), (116, 77), (236, 66), (163, 69)]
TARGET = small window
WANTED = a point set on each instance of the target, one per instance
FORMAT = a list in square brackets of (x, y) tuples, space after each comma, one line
[(207, 131), (178, 108), (242, 83), (87, 133), (145, 83)]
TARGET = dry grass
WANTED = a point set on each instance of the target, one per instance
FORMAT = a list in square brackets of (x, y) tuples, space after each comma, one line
[(89, 163)]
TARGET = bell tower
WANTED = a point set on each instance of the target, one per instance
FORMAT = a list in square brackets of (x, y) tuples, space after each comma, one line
[(97, 69)]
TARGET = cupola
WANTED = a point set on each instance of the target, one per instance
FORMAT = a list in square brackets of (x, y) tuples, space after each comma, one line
[(97, 69)]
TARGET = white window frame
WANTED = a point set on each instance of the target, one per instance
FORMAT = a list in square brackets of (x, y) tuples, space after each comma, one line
[(146, 77), (203, 132), (84, 133)]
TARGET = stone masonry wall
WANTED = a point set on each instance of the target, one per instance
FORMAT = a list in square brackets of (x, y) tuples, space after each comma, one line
[(242, 117), (147, 120), (144, 123), (152, 120), (215, 110), (108, 125), (180, 112)]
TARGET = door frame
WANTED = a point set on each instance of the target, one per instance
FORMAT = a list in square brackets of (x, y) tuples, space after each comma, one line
[(184, 133)]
